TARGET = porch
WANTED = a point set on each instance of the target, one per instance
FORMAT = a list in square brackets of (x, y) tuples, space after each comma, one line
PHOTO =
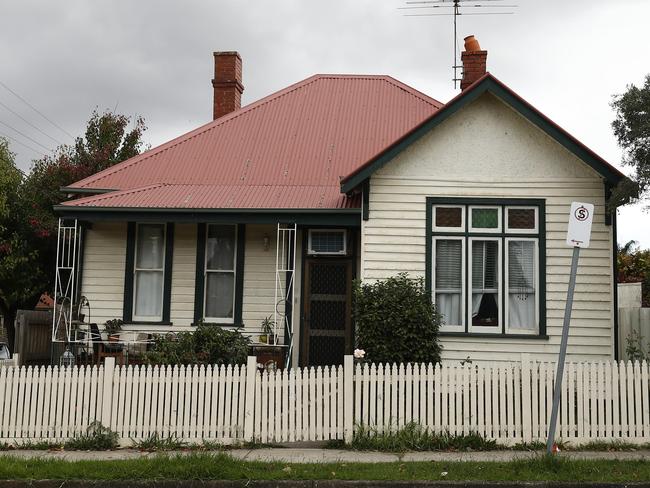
[(164, 277)]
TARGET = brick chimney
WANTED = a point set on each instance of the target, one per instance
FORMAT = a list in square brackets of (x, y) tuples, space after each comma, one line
[(474, 62), (227, 83)]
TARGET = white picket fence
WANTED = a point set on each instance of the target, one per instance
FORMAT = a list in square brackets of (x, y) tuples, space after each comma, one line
[(508, 402)]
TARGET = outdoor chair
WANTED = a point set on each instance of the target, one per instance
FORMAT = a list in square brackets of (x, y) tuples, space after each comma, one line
[(105, 349)]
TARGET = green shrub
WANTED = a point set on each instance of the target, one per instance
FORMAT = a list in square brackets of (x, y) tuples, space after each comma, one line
[(414, 437), (396, 321), (207, 344), (96, 438)]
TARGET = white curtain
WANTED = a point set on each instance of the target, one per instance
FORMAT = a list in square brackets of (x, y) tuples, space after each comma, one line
[(150, 254), (449, 306), (521, 284), (219, 295), (220, 271), (148, 293)]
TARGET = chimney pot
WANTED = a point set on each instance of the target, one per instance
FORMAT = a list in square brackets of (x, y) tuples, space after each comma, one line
[(474, 62), (227, 83)]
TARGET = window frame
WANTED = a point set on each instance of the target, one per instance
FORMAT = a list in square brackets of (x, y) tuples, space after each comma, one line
[(449, 229), (206, 271), (463, 279), (485, 230), (508, 230), (506, 286), (343, 252), (128, 301), (484, 329), (539, 204)]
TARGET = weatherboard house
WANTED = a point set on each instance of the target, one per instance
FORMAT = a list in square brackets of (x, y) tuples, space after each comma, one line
[(273, 209)]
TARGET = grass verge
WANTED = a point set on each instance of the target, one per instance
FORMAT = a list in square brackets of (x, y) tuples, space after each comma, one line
[(204, 466)]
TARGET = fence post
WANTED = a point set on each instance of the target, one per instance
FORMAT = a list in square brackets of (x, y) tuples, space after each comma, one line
[(16, 358), (107, 391), (249, 406), (526, 400), (348, 398)]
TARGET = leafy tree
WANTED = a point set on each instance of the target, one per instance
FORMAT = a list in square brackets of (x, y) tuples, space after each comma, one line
[(632, 129), (396, 321), (29, 241), (633, 267), (20, 275)]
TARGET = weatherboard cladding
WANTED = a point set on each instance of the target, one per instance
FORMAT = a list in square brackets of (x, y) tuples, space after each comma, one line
[(288, 150)]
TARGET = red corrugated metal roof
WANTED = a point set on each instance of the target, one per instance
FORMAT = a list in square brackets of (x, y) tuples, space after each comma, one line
[(228, 196), (288, 150)]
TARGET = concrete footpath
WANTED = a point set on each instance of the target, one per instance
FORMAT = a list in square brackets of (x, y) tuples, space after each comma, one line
[(310, 455)]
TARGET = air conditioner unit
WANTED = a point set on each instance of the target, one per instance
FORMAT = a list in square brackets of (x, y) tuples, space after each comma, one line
[(327, 242)]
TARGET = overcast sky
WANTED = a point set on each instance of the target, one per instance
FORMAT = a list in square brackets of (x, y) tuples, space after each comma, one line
[(154, 58)]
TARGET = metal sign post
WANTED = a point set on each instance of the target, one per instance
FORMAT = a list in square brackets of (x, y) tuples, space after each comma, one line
[(578, 236)]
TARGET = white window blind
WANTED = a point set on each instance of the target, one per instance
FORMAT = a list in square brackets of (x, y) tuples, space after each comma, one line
[(449, 280)]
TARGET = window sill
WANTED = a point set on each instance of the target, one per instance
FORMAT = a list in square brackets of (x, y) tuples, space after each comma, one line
[(145, 322), (221, 324), (495, 336)]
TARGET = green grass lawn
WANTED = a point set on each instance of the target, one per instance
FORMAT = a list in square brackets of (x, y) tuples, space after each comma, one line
[(205, 466)]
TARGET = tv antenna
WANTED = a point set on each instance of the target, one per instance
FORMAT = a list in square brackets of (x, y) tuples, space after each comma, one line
[(459, 7)]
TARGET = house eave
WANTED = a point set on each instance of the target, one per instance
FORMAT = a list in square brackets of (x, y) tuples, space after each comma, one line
[(303, 216)]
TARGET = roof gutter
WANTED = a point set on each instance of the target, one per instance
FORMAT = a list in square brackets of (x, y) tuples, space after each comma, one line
[(85, 191), (306, 216)]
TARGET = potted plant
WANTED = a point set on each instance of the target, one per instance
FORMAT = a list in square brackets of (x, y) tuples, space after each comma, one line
[(267, 336), (113, 328)]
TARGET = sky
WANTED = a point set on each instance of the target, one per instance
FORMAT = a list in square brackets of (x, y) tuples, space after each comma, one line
[(154, 58)]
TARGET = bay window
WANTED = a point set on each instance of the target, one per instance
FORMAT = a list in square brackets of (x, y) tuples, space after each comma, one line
[(484, 262)]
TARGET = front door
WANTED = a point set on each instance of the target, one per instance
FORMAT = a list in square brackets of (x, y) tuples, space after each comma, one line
[(327, 310)]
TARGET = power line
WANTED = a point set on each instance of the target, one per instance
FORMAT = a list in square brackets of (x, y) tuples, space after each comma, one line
[(25, 136), (30, 124), (36, 110), (22, 144)]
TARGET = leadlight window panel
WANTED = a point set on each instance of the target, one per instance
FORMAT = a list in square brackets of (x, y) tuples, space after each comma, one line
[(220, 259), (327, 241), (149, 272), (522, 297), (521, 220), (485, 219), (448, 280), (484, 301), (449, 217)]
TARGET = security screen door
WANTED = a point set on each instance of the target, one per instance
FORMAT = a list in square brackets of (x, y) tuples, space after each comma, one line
[(327, 310)]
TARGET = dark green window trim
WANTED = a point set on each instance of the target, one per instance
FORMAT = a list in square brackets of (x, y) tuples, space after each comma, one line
[(167, 284), (199, 283), (127, 311), (127, 314), (502, 202), (366, 199)]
